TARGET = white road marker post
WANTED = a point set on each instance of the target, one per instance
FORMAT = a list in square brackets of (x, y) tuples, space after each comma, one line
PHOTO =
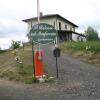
[(56, 44), (38, 15)]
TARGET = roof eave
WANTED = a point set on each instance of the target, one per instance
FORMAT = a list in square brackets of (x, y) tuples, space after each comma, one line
[(56, 15)]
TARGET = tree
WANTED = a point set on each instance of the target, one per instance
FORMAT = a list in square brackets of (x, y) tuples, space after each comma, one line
[(29, 37), (15, 44), (92, 35)]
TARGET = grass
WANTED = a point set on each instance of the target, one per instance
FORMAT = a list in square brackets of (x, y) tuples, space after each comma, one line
[(93, 46), (3, 51), (87, 51), (20, 72), (12, 70)]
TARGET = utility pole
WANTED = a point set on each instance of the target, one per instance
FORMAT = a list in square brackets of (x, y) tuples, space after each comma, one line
[(38, 11), (38, 15)]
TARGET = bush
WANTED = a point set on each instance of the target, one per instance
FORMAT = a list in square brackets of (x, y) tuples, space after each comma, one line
[(15, 44), (93, 46), (2, 51)]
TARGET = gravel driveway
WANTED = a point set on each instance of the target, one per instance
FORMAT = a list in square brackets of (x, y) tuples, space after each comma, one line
[(77, 81)]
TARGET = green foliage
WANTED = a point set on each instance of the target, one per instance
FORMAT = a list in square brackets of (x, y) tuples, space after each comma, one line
[(29, 37), (26, 73), (23, 74), (15, 44), (3, 51), (93, 46), (10, 75), (92, 35)]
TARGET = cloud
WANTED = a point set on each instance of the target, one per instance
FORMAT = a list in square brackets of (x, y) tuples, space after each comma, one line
[(78, 11), (5, 42), (17, 9), (84, 13), (10, 27), (81, 12)]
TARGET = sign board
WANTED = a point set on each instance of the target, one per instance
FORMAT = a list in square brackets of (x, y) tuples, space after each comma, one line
[(57, 52), (43, 33)]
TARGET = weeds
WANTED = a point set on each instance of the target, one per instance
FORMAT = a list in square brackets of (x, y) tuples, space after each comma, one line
[(93, 46), (88, 51)]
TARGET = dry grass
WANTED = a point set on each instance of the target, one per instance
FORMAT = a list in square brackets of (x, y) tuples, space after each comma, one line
[(11, 70), (92, 56)]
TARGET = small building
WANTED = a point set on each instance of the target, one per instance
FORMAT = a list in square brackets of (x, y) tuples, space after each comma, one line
[(65, 28)]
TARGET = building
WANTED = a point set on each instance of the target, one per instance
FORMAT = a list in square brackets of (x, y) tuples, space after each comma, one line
[(65, 28)]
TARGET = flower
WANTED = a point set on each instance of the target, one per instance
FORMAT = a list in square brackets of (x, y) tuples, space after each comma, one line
[(17, 58)]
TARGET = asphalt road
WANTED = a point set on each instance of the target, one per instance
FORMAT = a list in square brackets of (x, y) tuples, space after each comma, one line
[(77, 81)]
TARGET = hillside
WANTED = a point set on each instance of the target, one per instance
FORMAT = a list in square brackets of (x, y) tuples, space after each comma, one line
[(86, 51), (23, 72), (12, 70)]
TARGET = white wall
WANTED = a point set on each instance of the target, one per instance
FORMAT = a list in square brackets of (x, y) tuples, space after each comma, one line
[(51, 21), (46, 20), (63, 23), (74, 37), (77, 37)]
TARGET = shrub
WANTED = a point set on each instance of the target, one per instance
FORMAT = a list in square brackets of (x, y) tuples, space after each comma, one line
[(15, 44), (93, 46)]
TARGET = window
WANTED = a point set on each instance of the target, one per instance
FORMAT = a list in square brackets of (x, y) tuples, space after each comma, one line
[(70, 28), (78, 38), (54, 24), (73, 29), (59, 25), (65, 26)]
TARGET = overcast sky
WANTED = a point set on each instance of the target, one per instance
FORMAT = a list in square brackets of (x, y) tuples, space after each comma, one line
[(83, 13)]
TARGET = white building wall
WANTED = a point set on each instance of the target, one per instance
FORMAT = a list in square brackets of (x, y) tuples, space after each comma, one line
[(74, 37), (46, 20), (77, 37), (55, 22), (84, 39), (52, 21), (63, 23)]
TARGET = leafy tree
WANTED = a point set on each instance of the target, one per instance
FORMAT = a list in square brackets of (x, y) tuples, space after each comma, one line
[(29, 37), (15, 44), (92, 35)]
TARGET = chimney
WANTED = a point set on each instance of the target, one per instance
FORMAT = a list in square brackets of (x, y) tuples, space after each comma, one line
[(41, 14)]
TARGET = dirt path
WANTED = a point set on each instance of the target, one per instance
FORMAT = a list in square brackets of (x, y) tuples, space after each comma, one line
[(77, 81)]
